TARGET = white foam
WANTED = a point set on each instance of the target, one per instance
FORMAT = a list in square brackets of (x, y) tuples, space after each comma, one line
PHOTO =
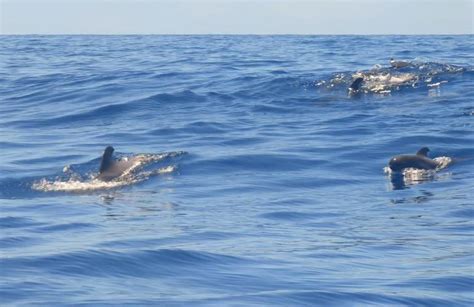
[(385, 82), (437, 84), (415, 176), (442, 161), (75, 185), (131, 175)]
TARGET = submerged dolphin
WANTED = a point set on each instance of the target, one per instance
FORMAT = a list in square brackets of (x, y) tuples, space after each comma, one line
[(399, 63), (111, 168), (418, 161)]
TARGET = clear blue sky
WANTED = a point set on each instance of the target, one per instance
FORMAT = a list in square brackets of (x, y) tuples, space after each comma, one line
[(236, 17)]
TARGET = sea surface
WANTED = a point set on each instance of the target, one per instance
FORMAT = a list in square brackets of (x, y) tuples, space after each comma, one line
[(266, 182)]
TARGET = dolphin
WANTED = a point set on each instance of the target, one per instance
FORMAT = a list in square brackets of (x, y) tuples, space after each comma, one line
[(419, 161), (111, 168), (399, 63), (355, 85)]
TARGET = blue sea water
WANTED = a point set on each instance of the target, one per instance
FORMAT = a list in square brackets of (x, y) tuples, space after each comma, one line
[(275, 194)]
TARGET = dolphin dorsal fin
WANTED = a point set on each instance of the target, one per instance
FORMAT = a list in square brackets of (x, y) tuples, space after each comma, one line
[(423, 152), (106, 159), (355, 85)]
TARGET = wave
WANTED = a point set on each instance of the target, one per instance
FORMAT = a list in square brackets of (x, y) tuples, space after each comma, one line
[(104, 114), (143, 263)]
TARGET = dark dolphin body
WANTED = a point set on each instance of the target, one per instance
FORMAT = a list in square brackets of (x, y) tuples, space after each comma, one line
[(111, 168), (418, 161), (356, 85)]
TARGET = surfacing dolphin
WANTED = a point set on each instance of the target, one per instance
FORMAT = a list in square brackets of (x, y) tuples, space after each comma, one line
[(399, 63), (355, 86), (111, 168), (418, 161), (379, 81)]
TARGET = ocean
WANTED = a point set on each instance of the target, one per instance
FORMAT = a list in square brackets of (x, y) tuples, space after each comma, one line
[(265, 181)]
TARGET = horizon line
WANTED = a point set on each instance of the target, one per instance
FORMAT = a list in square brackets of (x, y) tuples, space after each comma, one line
[(238, 34)]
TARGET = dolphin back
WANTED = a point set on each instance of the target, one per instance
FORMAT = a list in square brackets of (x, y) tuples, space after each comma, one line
[(116, 169), (398, 163)]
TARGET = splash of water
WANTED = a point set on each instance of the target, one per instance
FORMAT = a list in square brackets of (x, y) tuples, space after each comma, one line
[(74, 182), (414, 176), (384, 80)]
